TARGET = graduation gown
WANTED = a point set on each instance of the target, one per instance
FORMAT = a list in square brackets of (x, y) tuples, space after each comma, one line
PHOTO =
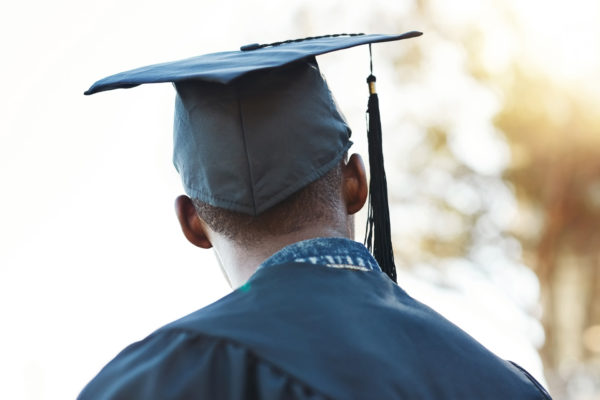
[(305, 331)]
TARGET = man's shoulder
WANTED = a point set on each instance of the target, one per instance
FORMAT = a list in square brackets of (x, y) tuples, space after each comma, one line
[(202, 354), (177, 363)]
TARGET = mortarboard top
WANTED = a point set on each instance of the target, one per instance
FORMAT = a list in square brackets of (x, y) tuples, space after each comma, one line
[(224, 67), (254, 126)]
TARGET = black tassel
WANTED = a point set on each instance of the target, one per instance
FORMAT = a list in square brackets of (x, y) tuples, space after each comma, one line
[(378, 237)]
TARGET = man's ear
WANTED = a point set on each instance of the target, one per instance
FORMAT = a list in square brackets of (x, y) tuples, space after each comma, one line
[(192, 226), (355, 187)]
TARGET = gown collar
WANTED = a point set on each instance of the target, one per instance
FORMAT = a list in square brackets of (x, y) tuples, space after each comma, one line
[(330, 252)]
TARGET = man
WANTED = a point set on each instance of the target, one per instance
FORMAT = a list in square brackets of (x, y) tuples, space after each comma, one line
[(262, 151)]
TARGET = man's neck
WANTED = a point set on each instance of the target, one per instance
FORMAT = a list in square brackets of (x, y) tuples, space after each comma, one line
[(240, 262)]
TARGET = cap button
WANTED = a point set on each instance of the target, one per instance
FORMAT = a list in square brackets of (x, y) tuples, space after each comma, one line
[(248, 47)]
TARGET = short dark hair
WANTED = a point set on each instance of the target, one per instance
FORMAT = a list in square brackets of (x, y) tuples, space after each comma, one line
[(316, 202)]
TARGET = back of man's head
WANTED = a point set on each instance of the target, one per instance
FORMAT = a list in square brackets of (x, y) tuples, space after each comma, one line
[(318, 203)]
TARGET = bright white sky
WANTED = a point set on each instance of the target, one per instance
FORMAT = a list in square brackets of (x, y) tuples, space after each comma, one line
[(91, 256)]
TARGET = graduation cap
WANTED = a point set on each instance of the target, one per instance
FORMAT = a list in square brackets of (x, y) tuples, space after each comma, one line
[(254, 126)]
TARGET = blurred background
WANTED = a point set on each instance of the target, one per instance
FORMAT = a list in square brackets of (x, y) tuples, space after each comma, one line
[(491, 138)]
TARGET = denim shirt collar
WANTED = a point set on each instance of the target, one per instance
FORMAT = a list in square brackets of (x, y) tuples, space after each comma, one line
[(329, 252)]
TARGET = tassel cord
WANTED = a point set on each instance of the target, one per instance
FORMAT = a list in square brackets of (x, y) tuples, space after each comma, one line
[(378, 232)]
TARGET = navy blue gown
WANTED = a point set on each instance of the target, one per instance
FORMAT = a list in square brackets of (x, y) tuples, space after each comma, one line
[(313, 328)]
